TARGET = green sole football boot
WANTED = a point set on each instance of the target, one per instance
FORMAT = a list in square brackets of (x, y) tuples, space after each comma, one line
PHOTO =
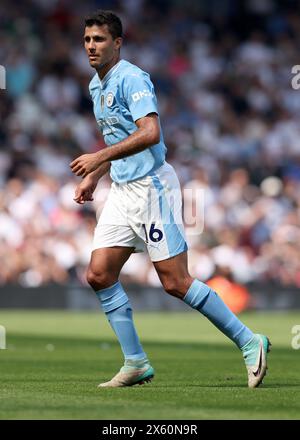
[(130, 376), (255, 356)]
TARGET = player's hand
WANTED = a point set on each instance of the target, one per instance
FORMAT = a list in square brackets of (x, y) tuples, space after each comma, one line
[(84, 191), (86, 163)]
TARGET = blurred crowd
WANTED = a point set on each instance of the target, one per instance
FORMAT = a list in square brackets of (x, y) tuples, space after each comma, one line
[(230, 118)]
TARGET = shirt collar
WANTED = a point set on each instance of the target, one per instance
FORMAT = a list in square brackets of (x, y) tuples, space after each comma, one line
[(109, 74)]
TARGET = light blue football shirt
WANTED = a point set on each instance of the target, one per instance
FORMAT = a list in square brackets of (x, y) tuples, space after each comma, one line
[(123, 96)]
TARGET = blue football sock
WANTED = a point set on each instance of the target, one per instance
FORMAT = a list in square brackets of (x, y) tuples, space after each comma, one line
[(202, 298), (117, 308)]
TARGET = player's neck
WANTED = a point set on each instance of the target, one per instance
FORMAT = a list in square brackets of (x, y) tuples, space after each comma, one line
[(102, 71)]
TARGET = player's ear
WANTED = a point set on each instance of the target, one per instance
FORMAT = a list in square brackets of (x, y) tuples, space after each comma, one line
[(118, 42)]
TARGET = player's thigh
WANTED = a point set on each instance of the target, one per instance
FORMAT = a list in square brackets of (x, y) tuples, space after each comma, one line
[(175, 267), (106, 264), (112, 246), (174, 275)]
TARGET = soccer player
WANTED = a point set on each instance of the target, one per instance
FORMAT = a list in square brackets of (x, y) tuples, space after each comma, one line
[(143, 209)]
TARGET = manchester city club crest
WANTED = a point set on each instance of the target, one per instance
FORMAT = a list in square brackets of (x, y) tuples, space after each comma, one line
[(109, 99)]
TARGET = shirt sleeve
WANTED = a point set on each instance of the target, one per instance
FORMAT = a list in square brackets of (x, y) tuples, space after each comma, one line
[(138, 92)]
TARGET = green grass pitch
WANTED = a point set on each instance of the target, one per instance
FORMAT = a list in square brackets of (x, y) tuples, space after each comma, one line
[(55, 359)]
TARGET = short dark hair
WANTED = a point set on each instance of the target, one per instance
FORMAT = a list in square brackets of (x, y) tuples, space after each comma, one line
[(102, 17)]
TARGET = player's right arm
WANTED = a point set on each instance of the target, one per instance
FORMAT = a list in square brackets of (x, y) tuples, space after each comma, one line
[(84, 190), (138, 94)]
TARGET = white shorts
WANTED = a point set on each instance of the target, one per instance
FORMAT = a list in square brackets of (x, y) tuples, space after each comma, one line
[(145, 213)]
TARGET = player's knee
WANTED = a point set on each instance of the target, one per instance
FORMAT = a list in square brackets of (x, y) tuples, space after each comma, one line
[(100, 279), (176, 286)]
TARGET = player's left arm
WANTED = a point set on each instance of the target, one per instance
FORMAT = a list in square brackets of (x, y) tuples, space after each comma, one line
[(146, 135)]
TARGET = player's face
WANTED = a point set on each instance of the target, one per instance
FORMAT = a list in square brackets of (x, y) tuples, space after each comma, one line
[(100, 46)]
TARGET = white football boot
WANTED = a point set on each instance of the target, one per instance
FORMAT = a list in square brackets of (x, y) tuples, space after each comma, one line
[(255, 356), (129, 376)]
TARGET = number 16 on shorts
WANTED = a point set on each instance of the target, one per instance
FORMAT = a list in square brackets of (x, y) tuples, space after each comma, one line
[(154, 234)]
